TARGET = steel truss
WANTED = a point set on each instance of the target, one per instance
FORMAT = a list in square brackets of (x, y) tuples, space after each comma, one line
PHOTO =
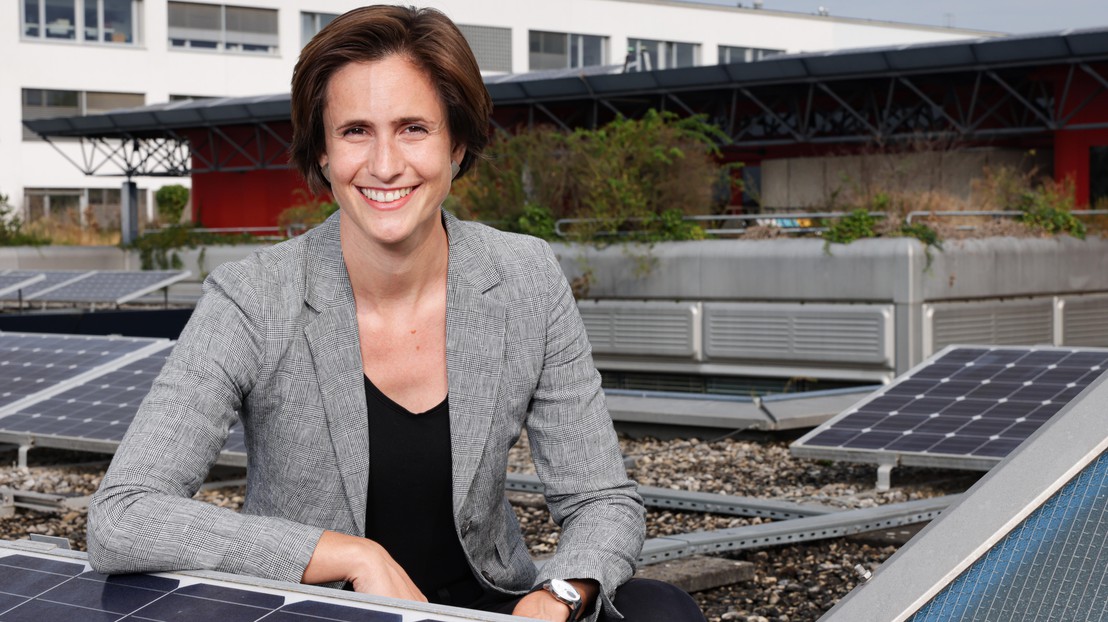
[(974, 104), (180, 153)]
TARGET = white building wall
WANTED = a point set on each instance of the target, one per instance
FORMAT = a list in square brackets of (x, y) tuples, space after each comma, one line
[(157, 71)]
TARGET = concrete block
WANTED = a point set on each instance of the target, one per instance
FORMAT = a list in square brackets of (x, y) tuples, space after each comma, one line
[(699, 573)]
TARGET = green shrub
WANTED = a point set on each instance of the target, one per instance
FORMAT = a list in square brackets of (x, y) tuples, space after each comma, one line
[(158, 249), (306, 212), (1048, 208), (630, 180), (171, 201), (11, 228)]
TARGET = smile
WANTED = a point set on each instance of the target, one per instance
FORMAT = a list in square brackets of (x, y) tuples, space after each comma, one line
[(386, 196)]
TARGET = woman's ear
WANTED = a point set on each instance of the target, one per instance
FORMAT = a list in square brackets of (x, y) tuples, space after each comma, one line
[(325, 167), (456, 158)]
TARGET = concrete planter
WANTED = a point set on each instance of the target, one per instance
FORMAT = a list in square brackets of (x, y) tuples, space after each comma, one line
[(863, 311)]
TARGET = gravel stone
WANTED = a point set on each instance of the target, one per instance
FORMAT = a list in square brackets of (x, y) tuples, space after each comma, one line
[(793, 583)]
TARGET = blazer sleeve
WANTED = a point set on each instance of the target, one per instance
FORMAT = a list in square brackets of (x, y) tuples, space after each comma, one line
[(577, 455), (143, 517)]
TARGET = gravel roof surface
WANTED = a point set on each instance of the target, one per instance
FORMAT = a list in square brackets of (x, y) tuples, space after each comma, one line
[(792, 583)]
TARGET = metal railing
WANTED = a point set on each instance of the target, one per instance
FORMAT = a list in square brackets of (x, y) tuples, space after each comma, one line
[(792, 223)]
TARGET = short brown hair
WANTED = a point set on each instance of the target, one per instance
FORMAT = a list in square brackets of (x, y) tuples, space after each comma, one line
[(424, 36)]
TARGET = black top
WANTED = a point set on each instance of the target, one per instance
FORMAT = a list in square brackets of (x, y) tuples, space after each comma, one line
[(409, 510)]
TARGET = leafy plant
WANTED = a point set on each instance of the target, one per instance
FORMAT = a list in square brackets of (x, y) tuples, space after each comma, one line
[(171, 201), (158, 249), (630, 180), (856, 225), (11, 228), (307, 212), (1049, 208)]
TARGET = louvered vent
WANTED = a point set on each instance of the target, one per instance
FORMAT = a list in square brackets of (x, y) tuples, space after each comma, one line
[(1019, 322), (793, 332), (1085, 321), (646, 327)]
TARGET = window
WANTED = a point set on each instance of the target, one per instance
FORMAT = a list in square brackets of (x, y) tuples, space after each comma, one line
[(647, 54), (491, 46), (87, 207), (222, 28), (558, 50), (101, 21), (732, 54), (311, 23), (46, 103)]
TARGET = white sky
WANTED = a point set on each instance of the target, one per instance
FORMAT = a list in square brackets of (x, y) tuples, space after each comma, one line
[(1010, 16)]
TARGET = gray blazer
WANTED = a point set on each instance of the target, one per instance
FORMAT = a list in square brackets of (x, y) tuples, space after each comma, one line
[(274, 341)]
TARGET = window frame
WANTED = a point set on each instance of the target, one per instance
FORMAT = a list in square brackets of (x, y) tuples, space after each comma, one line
[(574, 46), (263, 44), (79, 26)]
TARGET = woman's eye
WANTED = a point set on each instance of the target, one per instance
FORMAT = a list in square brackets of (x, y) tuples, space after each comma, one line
[(353, 131), (415, 129)]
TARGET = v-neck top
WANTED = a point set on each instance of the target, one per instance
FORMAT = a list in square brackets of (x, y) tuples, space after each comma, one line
[(409, 509)]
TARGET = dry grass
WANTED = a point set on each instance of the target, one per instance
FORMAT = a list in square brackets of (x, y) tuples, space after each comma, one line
[(67, 230)]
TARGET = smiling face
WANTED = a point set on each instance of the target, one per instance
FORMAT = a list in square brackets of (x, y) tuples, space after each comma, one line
[(388, 152)]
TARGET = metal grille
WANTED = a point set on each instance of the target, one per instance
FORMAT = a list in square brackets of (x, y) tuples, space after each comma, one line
[(1053, 566), (1085, 321), (491, 46), (995, 323)]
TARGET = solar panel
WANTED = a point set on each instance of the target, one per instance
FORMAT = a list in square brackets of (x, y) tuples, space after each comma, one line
[(14, 283), (31, 364), (50, 280), (965, 407), (43, 586), (1029, 541), (94, 414), (107, 286)]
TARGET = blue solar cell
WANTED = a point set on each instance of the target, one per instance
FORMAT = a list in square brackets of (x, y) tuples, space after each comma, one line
[(39, 610), (104, 595), (1050, 567), (977, 402), (30, 363), (109, 286)]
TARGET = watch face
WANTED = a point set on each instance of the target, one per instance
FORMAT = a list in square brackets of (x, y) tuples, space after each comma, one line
[(565, 591)]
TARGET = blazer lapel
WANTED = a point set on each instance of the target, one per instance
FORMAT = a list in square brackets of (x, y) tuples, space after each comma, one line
[(332, 337), (475, 327)]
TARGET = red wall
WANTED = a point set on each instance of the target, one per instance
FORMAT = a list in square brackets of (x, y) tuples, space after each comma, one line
[(1071, 158), (243, 199)]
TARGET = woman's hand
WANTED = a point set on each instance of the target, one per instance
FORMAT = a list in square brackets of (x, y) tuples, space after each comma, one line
[(541, 605), (364, 563)]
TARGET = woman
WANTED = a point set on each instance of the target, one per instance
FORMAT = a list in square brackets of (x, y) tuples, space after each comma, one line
[(382, 365)]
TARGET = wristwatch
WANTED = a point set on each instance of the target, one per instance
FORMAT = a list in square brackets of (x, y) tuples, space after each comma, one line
[(566, 593)]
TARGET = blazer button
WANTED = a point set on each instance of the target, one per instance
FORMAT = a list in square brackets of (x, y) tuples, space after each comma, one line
[(488, 577)]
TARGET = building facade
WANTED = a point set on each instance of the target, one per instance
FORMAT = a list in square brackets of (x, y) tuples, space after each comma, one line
[(76, 57)]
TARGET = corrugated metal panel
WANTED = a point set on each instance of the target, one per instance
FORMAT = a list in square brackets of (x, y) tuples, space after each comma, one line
[(643, 327), (1085, 321), (995, 322), (849, 334)]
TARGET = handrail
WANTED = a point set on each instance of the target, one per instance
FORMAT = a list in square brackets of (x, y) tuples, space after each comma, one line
[(731, 217), (1005, 213)]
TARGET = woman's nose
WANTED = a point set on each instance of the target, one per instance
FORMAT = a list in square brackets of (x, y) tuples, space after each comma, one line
[(386, 160)]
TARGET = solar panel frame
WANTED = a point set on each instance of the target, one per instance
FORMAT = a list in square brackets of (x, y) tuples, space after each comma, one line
[(10, 283), (34, 350), (904, 423), (84, 414), (1001, 505), (45, 583), (90, 287), (53, 280)]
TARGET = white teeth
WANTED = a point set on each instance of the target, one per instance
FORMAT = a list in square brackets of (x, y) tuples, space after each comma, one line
[(385, 196)]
